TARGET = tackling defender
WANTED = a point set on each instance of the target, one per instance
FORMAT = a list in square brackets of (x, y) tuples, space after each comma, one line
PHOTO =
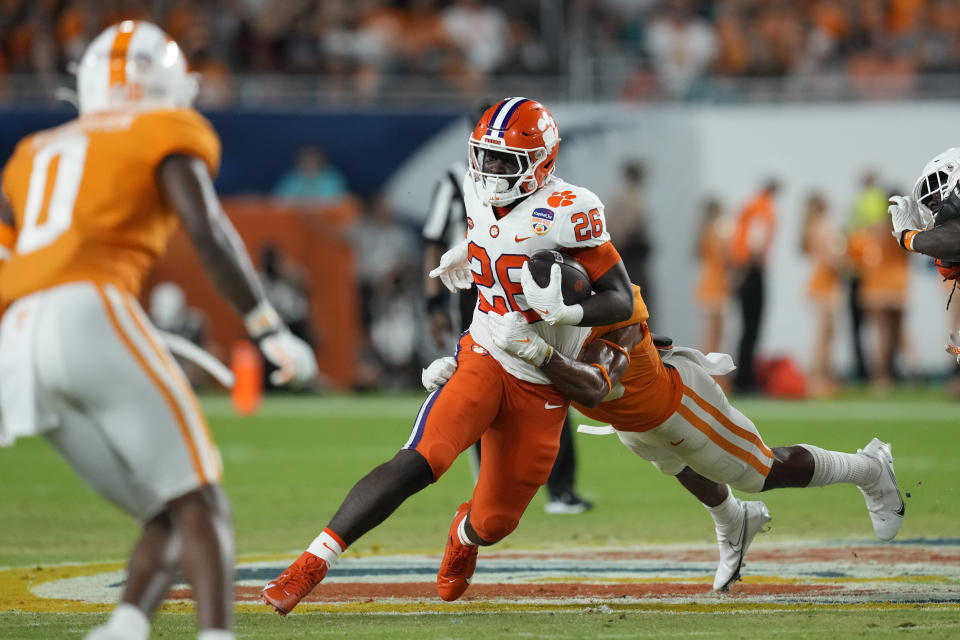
[(87, 208), (515, 206), (928, 220), (676, 416)]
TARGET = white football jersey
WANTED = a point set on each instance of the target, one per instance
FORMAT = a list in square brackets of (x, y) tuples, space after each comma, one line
[(557, 215)]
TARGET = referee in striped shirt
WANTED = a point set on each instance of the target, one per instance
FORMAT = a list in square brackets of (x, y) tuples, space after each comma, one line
[(450, 315)]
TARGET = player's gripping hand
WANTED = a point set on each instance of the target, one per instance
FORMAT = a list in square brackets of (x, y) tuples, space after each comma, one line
[(907, 215), (454, 270), (438, 373), (294, 359), (548, 301), (512, 333)]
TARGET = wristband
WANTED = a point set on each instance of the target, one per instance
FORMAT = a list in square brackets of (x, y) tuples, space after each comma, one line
[(546, 358), (906, 238), (262, 319)]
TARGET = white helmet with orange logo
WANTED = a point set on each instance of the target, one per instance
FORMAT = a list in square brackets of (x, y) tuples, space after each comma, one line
[(520, 128), (939, 178), (133, 64)]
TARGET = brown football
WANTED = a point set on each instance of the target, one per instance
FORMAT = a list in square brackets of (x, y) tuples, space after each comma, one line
[(574, 280)]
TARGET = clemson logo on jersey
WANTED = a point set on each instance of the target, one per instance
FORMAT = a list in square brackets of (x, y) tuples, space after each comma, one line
[(561, 198), (541, 220), (494, 231), (479, 350)]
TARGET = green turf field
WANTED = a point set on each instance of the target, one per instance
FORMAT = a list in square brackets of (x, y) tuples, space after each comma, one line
[(288, 468)]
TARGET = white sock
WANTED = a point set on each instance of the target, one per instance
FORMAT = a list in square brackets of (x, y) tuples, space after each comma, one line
[(725, 514), (833, 467), (216, 634), (328, 546), (462, 533), (130, 621)]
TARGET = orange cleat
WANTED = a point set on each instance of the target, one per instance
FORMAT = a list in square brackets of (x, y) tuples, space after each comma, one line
[(290, 587), (459, 561)]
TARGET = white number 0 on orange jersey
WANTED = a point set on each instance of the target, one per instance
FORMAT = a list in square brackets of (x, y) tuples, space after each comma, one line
[(39, 230)]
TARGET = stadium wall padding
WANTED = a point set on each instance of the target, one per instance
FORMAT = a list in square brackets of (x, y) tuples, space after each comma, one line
[(259, 146)]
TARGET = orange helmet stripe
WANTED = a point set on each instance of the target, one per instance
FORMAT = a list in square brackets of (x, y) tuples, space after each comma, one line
[(118, 52)]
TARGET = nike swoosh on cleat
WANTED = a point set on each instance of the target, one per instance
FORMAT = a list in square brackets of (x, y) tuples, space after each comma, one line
[(743, 534), (903, 508), (524, 340), (542, 311), (678, 442)]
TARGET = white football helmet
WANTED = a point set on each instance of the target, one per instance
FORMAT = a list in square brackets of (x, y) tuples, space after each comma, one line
[(133, 64), (938, 179)]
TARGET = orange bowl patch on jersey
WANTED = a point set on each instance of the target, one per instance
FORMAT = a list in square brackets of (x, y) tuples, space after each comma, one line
[(541, 220)]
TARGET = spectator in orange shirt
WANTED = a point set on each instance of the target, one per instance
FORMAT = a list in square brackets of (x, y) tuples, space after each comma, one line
[(751, 242), (824, 245), (713, 285), (883, 295)]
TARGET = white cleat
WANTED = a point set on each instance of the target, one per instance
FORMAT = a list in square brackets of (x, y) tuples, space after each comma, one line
[(733, 548), (883, 498)]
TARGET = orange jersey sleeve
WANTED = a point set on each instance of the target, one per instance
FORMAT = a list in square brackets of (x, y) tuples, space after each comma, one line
[(596, 260), (180, 131)]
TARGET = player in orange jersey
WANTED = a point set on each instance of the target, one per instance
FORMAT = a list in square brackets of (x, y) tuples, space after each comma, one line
[(671, 412), (87, 208)]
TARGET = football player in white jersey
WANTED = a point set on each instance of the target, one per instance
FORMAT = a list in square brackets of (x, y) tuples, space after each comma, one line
[(515, 206), (928, 221)]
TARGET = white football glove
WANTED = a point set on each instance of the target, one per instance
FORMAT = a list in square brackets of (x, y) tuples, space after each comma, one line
[(953, 347), (454, 270), (548, 301), (512, 333), (438, 373), (294, 359), (908, 215)]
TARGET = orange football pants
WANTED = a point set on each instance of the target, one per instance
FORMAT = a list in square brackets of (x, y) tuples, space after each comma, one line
[(518, 424)]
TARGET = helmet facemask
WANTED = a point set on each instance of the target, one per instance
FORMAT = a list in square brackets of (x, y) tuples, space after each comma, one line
[(940, 178), (502, 174), (929, 191)]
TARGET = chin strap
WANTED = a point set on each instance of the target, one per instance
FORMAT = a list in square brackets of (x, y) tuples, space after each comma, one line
[(951, 293)]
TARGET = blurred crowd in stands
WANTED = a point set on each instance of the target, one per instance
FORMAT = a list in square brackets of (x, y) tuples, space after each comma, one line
[(659, 48), (858, 279)]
